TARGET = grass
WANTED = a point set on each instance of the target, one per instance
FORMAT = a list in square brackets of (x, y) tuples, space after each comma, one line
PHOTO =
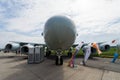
[(110, 53), (105, 54)]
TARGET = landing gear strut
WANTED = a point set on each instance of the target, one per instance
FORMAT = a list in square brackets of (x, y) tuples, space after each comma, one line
[(59, 59)]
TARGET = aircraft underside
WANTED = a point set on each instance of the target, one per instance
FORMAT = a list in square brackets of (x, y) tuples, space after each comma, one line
[(59, 56)]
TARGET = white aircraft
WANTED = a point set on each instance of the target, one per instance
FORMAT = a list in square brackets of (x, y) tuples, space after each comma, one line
[(59, 35)]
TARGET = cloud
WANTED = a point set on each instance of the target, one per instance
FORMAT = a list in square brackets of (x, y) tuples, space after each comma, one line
[(5, 37), (93, 18), (11, 8)]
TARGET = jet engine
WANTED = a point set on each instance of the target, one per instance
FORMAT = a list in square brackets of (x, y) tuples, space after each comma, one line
[(12, 46), (104, 47), (26, 48)]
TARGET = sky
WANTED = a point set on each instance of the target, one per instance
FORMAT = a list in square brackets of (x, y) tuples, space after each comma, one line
[(24, 20)]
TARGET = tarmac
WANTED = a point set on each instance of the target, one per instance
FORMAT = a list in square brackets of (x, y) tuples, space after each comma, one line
[(15, 67)]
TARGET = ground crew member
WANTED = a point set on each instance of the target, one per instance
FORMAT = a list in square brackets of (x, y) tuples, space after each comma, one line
[(71, 62), (87, 52)]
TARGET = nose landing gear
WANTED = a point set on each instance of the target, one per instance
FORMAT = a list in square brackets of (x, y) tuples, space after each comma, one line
[(59, 59)]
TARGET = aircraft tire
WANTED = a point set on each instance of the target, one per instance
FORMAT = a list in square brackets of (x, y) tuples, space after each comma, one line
[(56, 61), (61, 61), (48, 53)]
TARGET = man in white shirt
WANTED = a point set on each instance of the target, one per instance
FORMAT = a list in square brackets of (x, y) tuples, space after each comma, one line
[(87, 52)]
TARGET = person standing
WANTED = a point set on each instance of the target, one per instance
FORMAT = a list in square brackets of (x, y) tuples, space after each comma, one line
[(77, 49)]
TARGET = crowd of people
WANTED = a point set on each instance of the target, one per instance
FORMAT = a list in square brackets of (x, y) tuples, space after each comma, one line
[(87, 52)]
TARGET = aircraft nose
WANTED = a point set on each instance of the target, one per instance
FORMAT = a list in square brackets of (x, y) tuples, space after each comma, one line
[(59, 31), (60, 25)]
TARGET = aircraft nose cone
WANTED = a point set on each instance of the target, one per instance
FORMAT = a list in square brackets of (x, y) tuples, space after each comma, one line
[(59, 32)]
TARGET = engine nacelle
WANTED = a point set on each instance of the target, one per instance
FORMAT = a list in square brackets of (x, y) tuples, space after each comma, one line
[(104, 47), (12, 46), (26, 48)]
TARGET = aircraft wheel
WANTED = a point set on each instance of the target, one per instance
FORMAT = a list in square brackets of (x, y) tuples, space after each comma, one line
[(48, 53), (61, 61), (56, 61)]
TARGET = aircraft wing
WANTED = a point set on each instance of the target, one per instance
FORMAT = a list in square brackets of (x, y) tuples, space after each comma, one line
[(99, 43), (74, 45), (24, 43), (17, 45)]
